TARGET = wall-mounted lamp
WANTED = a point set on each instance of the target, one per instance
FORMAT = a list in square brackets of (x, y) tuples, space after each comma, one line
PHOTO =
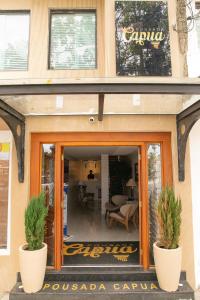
[(85, 163), (131, 184)]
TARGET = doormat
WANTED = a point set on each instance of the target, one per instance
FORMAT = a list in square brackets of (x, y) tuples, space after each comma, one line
[(92, 253)]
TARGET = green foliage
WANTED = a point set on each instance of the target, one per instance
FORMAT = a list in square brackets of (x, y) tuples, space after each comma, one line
[(35, 215), (169, 219)]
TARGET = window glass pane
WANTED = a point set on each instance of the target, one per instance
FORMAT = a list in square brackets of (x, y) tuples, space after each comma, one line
[(198, 31), (48, 167), (197, 22), (154, 189), (73, 40), (14, 36), (4, 192), (142, 38)]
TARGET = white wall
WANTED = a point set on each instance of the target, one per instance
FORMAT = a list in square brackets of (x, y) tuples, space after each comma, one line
[(194, 142)]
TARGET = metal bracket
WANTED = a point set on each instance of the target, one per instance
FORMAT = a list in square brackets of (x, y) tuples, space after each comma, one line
[(185, 121), (16, 123)]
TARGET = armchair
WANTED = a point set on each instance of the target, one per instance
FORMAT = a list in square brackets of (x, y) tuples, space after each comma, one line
[(114, 205), (125, 214)]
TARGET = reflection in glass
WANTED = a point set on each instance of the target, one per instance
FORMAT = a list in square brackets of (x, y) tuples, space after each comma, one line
[(14, 37), (48, 168), (73, 40), (142, 42), (154, 189)]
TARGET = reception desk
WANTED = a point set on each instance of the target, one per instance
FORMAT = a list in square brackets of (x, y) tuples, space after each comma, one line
[(92, 186)]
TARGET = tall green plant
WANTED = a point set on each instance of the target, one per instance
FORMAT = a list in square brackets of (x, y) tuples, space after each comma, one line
[(169, 219), (35, 215)]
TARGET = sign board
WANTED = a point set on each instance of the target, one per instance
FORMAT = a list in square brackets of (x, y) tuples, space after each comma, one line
[(142, 38)]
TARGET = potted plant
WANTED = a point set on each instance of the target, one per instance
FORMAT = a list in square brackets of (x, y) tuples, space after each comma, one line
[(167, 252), (33, 254)]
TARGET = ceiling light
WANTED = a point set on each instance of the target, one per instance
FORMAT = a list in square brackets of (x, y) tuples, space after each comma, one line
[(136, 100), (59, 101), (92, 110)]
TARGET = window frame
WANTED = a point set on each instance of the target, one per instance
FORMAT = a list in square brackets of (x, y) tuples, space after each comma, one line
[(197, 10), (197, 4), (7, 137), (71, 11), (20, 12)]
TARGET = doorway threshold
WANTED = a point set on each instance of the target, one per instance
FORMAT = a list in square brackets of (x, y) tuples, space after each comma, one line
[(104, 274), (104, 266)]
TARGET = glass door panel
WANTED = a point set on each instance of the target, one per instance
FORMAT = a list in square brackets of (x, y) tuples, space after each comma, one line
[(47, 181), (154, 189)]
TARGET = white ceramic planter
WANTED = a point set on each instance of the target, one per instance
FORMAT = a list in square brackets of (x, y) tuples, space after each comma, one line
[(168, 267), (32, 268)]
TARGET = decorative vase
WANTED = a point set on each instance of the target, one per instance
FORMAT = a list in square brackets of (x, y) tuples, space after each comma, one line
[(168, 267), (32, 268)]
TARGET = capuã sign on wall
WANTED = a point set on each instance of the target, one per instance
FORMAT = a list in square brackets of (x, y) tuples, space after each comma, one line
[(142, 38)]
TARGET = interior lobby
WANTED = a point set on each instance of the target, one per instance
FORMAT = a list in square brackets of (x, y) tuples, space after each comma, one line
[(100, 192)]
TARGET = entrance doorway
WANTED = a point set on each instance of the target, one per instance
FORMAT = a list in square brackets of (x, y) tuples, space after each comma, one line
[(101, 205), (49, 168)]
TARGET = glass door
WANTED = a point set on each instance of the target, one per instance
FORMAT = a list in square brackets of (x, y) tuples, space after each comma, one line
[(100, 205), (154, 189), (48, 187), (154, 170)]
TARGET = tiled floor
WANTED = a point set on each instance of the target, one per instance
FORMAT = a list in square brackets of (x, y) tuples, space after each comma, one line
[(86, 223)]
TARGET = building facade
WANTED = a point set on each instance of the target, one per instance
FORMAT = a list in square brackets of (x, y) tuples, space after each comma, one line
[(52, 55)]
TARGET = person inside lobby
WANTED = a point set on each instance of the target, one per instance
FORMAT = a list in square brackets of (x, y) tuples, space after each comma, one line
[(90, 175)]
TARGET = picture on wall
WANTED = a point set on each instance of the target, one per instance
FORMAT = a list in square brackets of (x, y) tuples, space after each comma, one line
[(142, 38)]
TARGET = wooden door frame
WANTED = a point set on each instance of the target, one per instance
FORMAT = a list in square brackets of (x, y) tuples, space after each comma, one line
[(61, 139)]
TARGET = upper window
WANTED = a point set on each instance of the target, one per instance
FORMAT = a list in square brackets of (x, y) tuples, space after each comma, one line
[(14, 38), (142, 38), (73, 40), (197, 12)]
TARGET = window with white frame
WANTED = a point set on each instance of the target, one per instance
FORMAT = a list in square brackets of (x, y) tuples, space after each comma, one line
[(72, 40), (197, 12), (5, 184), (14, 40)]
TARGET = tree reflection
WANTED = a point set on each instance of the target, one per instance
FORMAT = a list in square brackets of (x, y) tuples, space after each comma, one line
[(148, 59)]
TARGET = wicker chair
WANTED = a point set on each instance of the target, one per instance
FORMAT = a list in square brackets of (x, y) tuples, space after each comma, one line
[(125, 214)]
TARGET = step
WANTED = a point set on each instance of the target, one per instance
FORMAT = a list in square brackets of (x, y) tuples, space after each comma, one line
[(102, 274), (103, 290)]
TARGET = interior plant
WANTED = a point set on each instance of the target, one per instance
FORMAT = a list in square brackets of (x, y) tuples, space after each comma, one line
[(33, 254), (167, 252)]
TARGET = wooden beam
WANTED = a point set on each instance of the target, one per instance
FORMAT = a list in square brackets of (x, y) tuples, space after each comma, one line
[(101, 106), (101, 88)]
